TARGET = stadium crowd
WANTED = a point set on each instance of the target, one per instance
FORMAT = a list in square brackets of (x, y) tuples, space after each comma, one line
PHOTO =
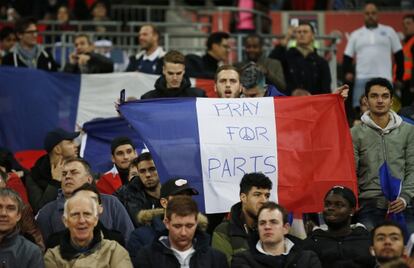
[(61, 214)]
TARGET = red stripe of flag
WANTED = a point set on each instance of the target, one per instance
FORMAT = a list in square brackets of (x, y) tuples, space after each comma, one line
[(315, 150)]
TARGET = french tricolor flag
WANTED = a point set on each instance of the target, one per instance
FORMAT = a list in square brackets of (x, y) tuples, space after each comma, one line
[(302, 144)]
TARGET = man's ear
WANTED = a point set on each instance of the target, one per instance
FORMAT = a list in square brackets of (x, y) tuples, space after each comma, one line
[(65, 222), (113, 159), (163, 202), (57, 150), (286, 228), (243, 197)]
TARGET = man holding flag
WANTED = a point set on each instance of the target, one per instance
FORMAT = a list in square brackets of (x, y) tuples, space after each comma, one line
[(384, 156)]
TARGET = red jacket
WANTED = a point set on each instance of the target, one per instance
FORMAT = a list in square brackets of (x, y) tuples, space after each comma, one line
[(15, 183)]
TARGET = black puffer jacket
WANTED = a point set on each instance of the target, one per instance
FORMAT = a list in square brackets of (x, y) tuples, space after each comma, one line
[(185, 90), (347, 251)]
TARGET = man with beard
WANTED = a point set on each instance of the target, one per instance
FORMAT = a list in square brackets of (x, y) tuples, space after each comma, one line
[(232, 235), (342, 244), (123, 151), (143, 189), (173, 82), (227, 82), (387, 243), (372, 45), (271, 68), (149, 59)]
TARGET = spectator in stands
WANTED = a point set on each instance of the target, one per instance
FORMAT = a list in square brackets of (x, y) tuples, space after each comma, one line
[(99, 13), (387, 244), (15, 251), (76, 172), (253, 83), (383, 139), (232, 235), (151, 220), (183, 245), (407, 93), (227, 82), (149, 59), (306, 72), (218, 50), (26, 225), (173, 82), (372, 45), (82, 243), (143, 189), (84, 60), (46, 176), (342, 244), (273, 248), (27, 53), (123, 152), (7, 40), (272, 68), (88, 190)]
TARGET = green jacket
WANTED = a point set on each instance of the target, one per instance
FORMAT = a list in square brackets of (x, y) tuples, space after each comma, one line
[(231, 236), (373, 145)]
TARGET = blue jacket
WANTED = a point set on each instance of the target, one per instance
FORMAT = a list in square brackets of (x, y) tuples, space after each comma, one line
[(17, 251), (114, 216)]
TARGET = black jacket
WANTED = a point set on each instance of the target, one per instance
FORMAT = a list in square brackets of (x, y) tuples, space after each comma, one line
[(159, 255), (135, 199), (201, 67), (55, 239), (311, 72), (97, 64), (185, 90), (45, 61), (254, 259), (41, 187), (347, 251)]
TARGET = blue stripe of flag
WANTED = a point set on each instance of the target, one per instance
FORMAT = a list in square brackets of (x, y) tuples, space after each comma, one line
[(151, 121)]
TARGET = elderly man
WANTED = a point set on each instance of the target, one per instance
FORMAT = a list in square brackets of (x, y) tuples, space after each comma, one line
[(75, 173), (15, 250), (83, 244)]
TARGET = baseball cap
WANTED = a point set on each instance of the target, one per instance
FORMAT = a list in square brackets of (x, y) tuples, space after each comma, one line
[(175, 186), (57, 135)]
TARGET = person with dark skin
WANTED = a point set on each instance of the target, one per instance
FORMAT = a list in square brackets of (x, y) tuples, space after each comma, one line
[(342, 244)]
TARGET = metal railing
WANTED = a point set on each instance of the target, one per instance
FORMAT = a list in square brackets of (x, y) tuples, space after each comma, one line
[(127, 42)]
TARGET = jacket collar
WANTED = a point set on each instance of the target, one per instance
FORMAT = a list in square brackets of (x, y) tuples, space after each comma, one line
[(69, 252)]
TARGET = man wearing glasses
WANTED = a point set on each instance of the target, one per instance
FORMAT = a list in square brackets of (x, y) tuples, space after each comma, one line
[(143, 190), (26, 52)]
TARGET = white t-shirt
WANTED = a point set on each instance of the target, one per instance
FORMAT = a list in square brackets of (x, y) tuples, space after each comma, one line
[(373, 48), (183, 257)]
